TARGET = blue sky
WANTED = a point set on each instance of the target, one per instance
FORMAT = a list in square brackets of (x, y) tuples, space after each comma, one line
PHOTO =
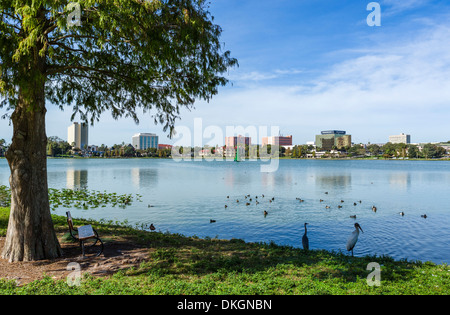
[(312, 65)]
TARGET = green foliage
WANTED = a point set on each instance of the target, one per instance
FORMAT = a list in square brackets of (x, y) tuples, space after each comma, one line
[(188, 265), (57, 146), (433, 151), (428, 151), (78, 198), (158, 55), (5, 196)]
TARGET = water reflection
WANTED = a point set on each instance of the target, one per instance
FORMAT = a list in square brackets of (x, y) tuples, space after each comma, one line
[(334, 181), (400, 180), (144, 177), (76, 179)]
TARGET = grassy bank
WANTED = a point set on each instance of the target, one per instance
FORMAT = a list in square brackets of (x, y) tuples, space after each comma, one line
[(185, 265)]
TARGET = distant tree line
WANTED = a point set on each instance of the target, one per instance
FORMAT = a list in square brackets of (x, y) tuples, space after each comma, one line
[(388, 150), (59, 147)]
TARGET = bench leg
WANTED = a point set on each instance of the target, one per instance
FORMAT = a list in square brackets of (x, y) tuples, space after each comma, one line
[(101, 250), (82, 248)]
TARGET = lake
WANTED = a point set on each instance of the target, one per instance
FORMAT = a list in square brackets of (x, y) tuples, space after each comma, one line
[(185, 195)]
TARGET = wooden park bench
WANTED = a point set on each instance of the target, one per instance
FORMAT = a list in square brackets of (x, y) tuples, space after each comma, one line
[(84, 232)]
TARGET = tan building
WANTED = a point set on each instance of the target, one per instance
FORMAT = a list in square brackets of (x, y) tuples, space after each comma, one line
[(237, 141), (344, 141), (283, 141), (401, 138), (329, 139)]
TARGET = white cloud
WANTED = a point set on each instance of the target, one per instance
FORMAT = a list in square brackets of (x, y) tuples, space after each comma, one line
[(406, 86), (399, 6), (238, 75)]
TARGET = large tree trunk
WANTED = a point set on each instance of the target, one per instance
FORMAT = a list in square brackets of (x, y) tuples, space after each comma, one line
[(31, 235)]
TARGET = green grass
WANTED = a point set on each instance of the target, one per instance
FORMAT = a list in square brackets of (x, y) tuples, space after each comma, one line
[(189, 265)]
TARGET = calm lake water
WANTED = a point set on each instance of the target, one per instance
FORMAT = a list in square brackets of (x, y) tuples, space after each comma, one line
[(186, 195)]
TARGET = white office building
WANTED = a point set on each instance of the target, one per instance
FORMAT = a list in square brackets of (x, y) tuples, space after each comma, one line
[(402, 138), (143, 141), (78, 135)]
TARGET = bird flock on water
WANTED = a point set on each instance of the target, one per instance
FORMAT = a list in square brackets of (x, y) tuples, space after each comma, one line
[(351, 242), (353, 238)]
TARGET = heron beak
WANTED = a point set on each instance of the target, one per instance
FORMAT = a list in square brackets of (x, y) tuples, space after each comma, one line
[(360, 229)]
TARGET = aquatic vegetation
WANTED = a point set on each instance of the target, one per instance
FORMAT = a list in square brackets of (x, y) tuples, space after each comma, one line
[(78, 198), (5, 196), (88, 199)]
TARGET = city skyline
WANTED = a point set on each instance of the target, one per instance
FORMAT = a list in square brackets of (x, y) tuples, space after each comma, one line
[(314, 65)]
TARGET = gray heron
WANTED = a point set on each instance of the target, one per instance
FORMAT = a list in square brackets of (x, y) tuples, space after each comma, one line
[(305, 241), (353, 238)]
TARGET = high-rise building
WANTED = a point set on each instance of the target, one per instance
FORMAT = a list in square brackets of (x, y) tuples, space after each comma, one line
[(236, 143), (143, 141), (333, 138), (78, 135), (402, 138), (239, 140), (282, 141)]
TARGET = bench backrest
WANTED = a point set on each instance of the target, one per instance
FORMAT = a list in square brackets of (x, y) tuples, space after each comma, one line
[(69, 221)]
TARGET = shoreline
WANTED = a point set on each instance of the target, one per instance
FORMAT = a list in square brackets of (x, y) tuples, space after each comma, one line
[(244, 160), (166, 264)]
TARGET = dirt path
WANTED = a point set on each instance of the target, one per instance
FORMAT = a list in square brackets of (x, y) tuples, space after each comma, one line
[(116, 256)]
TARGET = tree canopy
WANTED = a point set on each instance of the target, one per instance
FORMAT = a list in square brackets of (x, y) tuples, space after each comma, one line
[(157, 55)]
